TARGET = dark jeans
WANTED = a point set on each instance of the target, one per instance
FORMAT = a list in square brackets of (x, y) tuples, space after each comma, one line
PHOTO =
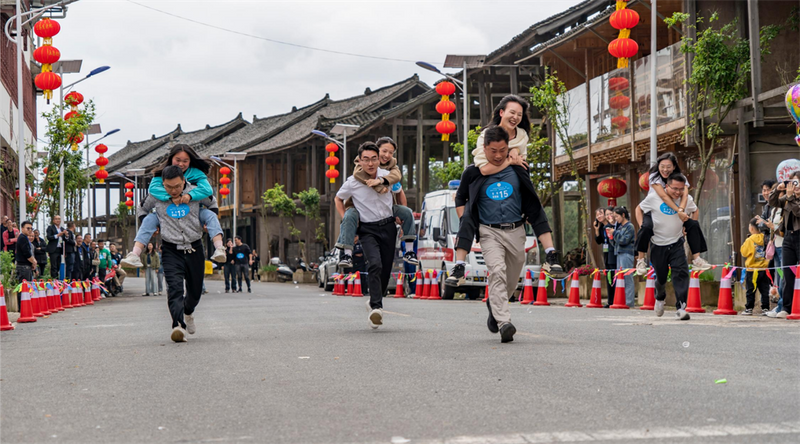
[(254, 273), (664, 258), (378, 241), (55, 264), (610, 285), (101, 273), (24, 273), (694, 235), (230, 277), (243, 270), (69, 264), (790, 257), (762, 284), (183, 269), (42, 264)]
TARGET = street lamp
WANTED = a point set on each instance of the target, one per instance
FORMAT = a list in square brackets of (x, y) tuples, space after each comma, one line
[(463, 62), (341, 129), (235, 157)]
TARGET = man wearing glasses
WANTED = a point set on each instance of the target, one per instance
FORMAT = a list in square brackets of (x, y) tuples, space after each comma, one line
[(377, 231), (666, 249), (26, 261), (182, 250)]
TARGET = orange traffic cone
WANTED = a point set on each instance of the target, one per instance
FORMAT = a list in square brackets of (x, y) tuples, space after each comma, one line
[(574, 292), (44, 304), (419, 287), (77, 296), (36, 303), (4, 324), (596, 297), (693, 302), (527, 289), (25, 306), (795, 298), (541, 294), (434, 293), (66, 294), (650, 292), (95, 291), (357, 287), (349, 286), (426, 287), (87, 293), (398, 291), (725, 301), (56, 295), (619, 294), (51, 298), (486, 292)]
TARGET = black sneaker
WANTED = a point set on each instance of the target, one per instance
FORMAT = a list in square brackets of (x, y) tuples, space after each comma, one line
[(553, 265), (410, 258), (456, 276), (747, 312), (346, 261), (491, 322), (507, 333), (249, 291)]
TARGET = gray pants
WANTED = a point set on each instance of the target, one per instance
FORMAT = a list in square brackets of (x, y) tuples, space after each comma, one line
[(504, 253), (150, 280)]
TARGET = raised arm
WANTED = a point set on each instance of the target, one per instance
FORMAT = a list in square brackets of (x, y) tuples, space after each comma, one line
[(157, 190)]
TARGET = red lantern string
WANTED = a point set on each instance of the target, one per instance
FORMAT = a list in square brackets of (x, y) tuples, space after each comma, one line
[(46, 54), (129, 195), (623, 48), (612, 188), (101, 162), (445, 107), (332, 161), (74, 99), (224, 181)]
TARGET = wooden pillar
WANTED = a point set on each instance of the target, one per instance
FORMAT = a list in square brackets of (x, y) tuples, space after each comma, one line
[(634, 119), (484, 107), (513, 79), (690, 7), (557, 205), (314, 168), (289, 174), (590, 166), (420, 177), (633, 194), (283, 168), (94, 209), (594, 251), (309, 154), (755, 62), (746, 207)]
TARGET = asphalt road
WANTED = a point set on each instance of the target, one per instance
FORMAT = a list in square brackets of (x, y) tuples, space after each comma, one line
[(292, 364)]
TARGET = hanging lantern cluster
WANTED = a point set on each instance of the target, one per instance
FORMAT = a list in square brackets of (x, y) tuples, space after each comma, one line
[(612, 188), (47, 54), (618, 101), (129, 194), (623, 47), (225, 181), (101, 162), (644, 182), (74, 99), (332, 161), (445, 107)]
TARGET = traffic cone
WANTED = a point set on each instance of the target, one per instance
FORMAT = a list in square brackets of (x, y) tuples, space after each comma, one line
[(486, 292), (398, 291), (339, 286), (619, 294), (418, 288), (25, 305), (650, 292), (87, 293), (77, 295), (434, 293), (51, 298), (574, 292), (44, 304), (426, 287), (4, 324), (694, 303), (541, 294), (527, 289), (596, 297), (357, 287), (349, 287), (95, 291), (725, 301), (56, 295), (35, 302), (66, 294), (795, 299)]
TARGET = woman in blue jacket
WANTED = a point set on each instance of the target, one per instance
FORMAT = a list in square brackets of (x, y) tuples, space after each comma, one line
[(624, 238)]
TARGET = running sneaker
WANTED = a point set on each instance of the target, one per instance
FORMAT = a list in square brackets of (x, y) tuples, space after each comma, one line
[(553, 265), (682, 315), (773, 313), (659, 308), (456, 276), (219, 255), (376, 318), (507, 332), (782, 315), (641, 267), (410, 258), (346, 262), (700, 264), (131, 261), (178, 334), (189, 320), (765, 312), (747, 312)]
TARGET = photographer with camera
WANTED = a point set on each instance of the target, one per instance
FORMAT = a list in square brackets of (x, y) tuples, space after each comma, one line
[(786, 196)]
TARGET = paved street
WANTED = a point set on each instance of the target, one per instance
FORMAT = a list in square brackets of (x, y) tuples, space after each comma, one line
[(292, 364)]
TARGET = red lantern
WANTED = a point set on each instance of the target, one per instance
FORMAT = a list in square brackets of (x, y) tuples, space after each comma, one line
[(224, 192), (624, 19), (618, 83), (225, 181), (101, 161), (76, 139), (70, 115), (129, 203), (332, 175), (74, 98), (446, 127), (44, 170), (445, 107), (331, 147), (225, 171), (619, 102), (620, 122), (47, 82), (46, 28), (445, 88), (129, 186), (100, 148), (129, 194), (612, 188), (332, 161), (101, 175), (644, 182), (46, 55), (623, 48)]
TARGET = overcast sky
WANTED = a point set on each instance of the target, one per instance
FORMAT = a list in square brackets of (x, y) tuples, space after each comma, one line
[(165, 70)]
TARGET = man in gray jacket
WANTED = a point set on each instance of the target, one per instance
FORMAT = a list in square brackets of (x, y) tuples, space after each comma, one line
[(182, 249)]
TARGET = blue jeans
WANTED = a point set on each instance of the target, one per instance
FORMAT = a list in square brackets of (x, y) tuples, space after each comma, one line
[(625, 260), (779, 282), (349, 225), (150, 225)]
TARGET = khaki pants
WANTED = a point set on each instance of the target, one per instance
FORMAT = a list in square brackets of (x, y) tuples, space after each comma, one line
[(504, 253)]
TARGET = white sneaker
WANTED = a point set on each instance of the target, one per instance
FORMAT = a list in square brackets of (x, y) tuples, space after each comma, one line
[(189, 320), (772, 313), (700, 264), (178, 334), (219, 255), (782, 315), (131, 261), (681, 313), (659, 308), (376, 318), (641, 267)]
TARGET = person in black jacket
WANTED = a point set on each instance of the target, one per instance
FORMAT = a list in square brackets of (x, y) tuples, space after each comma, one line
[(602, 238), (69, 250), (40, 251), (55, 245), (230, 267), (23, 253), (77, 267), (87, 270)]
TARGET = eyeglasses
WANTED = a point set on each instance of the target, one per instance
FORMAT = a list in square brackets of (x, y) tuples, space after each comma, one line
[(173, 187), (676, 189), (370, 160)]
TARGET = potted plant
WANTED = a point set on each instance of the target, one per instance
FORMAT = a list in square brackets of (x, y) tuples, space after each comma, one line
[(269, 273), (585, 279)]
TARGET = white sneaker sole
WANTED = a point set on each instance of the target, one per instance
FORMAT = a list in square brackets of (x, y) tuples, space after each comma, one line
[(375, 319), (218, 259), (125, 264), (178, 335)]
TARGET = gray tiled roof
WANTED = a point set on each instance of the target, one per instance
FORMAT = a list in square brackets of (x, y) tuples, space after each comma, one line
[(136, 150)]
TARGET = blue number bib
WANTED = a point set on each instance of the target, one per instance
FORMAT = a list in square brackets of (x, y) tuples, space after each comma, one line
[(397, 187), (667, 210), (499, 191), (239, 255), (177, 211)]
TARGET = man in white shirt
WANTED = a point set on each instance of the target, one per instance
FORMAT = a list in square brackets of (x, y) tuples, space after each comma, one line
[(666, 249), (376, 231)]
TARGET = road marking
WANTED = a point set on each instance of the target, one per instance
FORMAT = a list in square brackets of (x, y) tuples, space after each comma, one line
[(624, 434), (398, 314)]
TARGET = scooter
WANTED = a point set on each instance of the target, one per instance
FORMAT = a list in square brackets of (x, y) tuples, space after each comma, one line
[(285, 272)]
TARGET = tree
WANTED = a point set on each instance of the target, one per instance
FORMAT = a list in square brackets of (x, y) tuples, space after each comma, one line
[(121, 220), (441, 173), (310, 199), (282, 205), (720, 77)]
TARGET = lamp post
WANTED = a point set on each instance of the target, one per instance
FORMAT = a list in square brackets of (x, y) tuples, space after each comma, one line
[(235, 157), (653, 82)]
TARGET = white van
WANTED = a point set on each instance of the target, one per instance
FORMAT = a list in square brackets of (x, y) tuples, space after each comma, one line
[(436, 243)]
